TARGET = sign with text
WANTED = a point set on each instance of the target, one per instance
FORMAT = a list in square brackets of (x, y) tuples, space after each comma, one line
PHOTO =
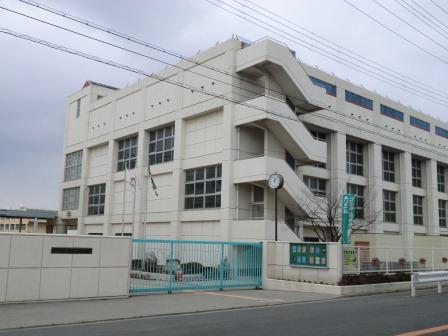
[(308, 254), (348, 206)]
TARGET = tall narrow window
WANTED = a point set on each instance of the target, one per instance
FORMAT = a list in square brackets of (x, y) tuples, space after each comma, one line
[(417, 173), (161, 145), (316, 185), (257, 202), (290, 219), (73, 165), (442, 213), (354, 157), (127, 153), (70, 198), (440, 178), (78, 108), (97, 198), (418, 209), (290, 160), (203, 187), (357, 190), (388, 166), (389, 206)]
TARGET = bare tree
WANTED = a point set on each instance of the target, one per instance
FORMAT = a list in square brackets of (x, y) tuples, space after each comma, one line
[(324, 215)]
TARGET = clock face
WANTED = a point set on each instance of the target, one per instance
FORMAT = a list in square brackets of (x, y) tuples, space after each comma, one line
[(275, 181)]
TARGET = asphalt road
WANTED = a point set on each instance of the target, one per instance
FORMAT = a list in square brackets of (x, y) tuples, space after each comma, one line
[(389, 314)]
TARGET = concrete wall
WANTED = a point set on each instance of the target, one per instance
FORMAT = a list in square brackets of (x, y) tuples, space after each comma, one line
[(30, 272), (276, 265)]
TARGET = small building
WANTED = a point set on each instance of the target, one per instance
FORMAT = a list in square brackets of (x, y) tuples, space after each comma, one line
[(28, 220)]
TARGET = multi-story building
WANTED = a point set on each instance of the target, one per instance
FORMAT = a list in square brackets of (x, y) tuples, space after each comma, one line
[(212, 129)]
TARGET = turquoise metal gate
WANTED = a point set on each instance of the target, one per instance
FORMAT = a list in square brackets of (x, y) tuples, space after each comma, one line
[(175, 265)]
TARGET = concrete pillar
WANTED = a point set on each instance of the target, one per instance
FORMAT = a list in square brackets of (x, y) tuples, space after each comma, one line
[(141, 182), (35, 225), (374, 196), (432, 199), (178, 179), (83, 193), (228, 189), (405, 195), (60, 227), (337, 167), (111, 167)]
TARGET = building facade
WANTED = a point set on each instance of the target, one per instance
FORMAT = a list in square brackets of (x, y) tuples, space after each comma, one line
[(213, 128)]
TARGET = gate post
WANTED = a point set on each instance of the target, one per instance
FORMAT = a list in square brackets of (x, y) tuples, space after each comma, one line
[(221, 269), (170, 269)]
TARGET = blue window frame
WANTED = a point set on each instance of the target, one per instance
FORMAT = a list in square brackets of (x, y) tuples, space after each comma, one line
[(356, 99), (391, 113), (442, 132), (419, 123), (329, 88)]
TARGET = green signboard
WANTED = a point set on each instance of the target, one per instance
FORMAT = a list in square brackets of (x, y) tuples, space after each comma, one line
[(348, 215), (308, 254)]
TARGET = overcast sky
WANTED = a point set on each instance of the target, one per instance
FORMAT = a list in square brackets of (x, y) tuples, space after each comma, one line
[(35, 81)]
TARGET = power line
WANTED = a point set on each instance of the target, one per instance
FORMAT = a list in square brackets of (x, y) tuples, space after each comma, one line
[(408, 24), (440, 7), (325, 53), (319, 115), (411, 9), (417, 83), (429, 13), (127, 37), (396, 33)]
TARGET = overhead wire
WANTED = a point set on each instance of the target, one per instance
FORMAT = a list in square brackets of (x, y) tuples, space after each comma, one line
[(396, 33), (138, 71), (339, 46), (425, 96), (440, 7)]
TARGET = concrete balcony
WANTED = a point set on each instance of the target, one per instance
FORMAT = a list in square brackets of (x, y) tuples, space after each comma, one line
[(279, 61), (294, 192), (286, 127)]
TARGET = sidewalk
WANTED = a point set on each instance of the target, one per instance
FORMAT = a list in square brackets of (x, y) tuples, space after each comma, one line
[(22, 315)]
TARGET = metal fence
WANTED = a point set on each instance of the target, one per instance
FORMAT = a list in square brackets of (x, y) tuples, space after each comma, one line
[(357, 259), (175, 265)]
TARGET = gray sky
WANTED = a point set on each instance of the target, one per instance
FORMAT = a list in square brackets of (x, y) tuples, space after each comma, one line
[(35, 81)]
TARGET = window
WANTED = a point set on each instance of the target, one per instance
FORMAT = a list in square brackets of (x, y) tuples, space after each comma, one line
[(389, 206), (418, 209), (391, 113), (440, 178), (127, 153), (203, 187), (357, 190), (442, 132), (356, 99), (289, 219), (442, 213), (290, 160), (73, 164), (319, 135), (78, 108), (419, 123), (70, 199), (354, 158), (417, 173), (316, 185), (161, 145), (257, 202), (388, 166), (97, 196), (330, 89)]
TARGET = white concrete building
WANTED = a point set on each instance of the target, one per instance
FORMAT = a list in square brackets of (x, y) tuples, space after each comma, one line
[(210, 157)]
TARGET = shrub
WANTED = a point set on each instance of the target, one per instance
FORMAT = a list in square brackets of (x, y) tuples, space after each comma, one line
[(373, 278), (192, 268), (402, 262), (444, 260), (376, 262), (422, 261)]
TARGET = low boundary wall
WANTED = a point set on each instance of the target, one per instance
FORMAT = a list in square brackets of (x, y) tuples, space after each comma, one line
[(59, 267)]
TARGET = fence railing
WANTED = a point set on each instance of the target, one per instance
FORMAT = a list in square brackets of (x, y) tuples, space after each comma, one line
[(359, 259), (174, 265)]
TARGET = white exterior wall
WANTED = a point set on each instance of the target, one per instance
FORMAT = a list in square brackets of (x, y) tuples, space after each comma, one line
[(249, 143), (30, 272)]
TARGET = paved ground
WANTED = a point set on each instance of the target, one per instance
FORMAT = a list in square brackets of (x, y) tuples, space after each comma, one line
[(388, 314), (43, 314)]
